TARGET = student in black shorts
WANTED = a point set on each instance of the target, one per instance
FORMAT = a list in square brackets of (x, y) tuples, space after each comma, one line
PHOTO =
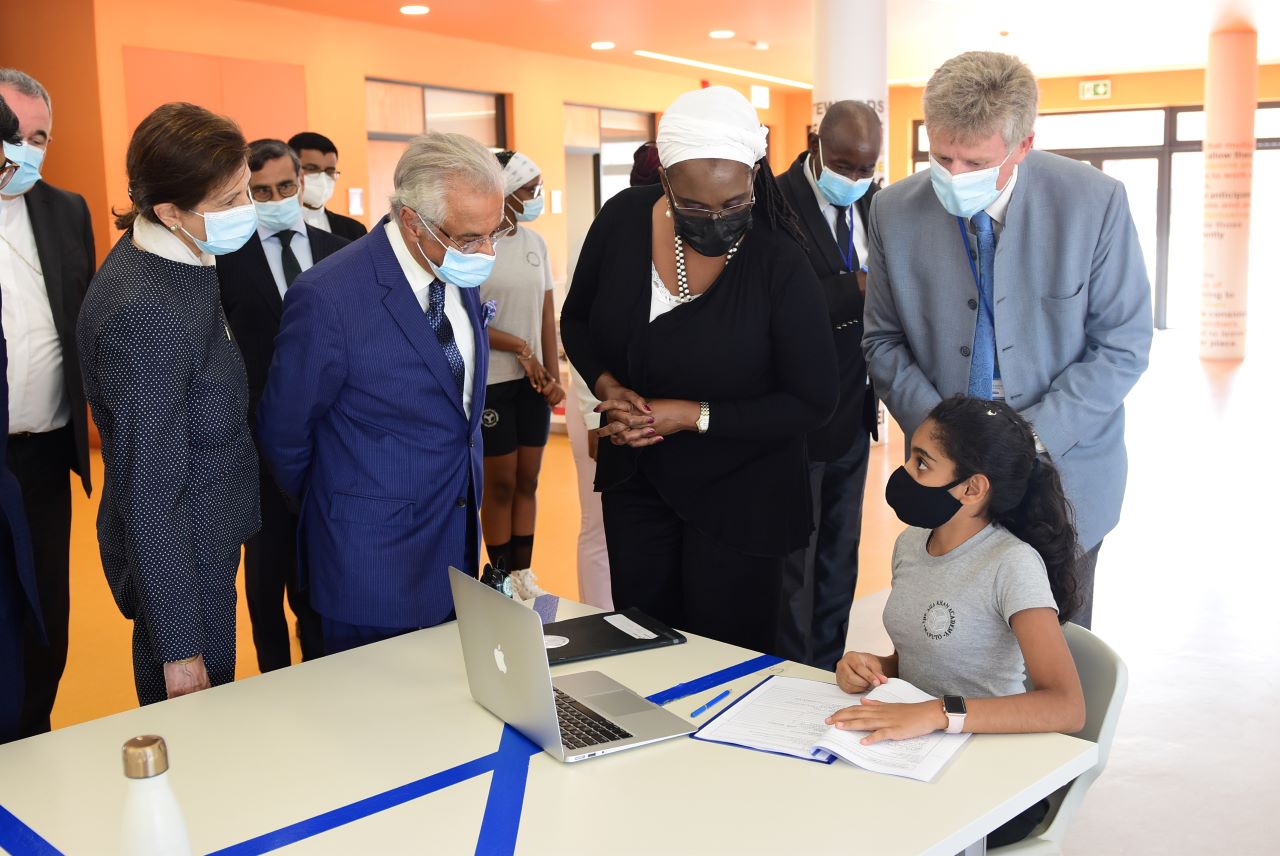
[(524, 378)]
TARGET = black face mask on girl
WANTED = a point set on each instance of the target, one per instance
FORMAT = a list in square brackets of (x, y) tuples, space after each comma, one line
[(920, 505), (712, 236)]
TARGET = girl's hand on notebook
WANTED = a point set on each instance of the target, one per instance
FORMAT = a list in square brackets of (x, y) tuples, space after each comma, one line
[(887, 721), (858, 672)]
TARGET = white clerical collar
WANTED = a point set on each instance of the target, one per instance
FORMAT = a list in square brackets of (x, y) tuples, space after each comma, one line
[(157, 240)]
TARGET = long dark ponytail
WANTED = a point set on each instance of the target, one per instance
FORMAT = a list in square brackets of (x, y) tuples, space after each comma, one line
[(776, 211), (990, 438)]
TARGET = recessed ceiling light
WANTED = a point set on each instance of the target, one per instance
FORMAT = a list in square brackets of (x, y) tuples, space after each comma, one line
[(414, 10), (721, 34), (760, 46), (603, 46)]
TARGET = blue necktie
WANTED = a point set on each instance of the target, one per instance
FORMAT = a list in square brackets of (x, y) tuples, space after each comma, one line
[(982, 368), (444, 332)]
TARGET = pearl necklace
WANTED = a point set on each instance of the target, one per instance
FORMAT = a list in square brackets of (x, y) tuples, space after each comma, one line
[(683, 294)]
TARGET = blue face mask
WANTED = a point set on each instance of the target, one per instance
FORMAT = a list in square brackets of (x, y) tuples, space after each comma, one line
[(530, 209), (968, 193), (226, 231), (465, 270), (30, 157), (281, 215), (840, 190)]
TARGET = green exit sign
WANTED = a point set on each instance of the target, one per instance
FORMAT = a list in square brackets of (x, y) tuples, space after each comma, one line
[(1092, 90)]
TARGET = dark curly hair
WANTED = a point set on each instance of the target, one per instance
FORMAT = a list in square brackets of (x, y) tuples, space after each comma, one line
[(990, 438)]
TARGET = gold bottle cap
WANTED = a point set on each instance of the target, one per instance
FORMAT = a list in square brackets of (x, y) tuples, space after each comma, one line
[(145, 757)]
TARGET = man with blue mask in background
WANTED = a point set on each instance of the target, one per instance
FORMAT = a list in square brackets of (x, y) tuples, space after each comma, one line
[(253, 281), (371, 414), (46, 261), (830, 188), (1012, 274)]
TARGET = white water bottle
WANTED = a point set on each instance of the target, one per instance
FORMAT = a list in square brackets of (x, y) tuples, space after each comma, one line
[(151, 824)]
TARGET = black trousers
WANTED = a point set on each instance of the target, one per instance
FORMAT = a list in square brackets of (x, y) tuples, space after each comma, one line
[(818, 581), (42, 464), (13, 616), (681, 576), (270, 572)]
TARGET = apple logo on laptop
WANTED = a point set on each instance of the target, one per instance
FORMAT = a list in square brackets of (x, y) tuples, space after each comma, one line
[(500, 659)]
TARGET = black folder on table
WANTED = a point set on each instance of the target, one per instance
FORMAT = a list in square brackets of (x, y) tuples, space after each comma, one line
[(606, 634)]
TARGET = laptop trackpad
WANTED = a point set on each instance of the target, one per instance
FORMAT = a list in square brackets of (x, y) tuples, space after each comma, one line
[(618, 703)]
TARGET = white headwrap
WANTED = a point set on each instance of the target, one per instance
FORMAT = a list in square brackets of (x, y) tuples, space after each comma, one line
[(716, 122), (518, 172)]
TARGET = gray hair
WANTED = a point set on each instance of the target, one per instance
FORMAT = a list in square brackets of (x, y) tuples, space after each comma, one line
[(976, 94), (434, 164), (261, 151), (26, 84)]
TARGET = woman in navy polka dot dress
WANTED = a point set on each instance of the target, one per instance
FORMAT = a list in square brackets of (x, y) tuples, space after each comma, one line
[(167, 388)]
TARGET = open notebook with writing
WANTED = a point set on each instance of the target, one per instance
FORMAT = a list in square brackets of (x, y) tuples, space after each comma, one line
[(785, 716)]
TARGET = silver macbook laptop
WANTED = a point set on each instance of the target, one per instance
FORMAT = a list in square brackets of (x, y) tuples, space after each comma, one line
[(572, 717)]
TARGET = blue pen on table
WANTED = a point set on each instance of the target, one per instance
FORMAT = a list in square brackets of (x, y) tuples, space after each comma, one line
[(715, 701)]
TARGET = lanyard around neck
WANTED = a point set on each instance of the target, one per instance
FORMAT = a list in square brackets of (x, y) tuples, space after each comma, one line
[(977, 278)]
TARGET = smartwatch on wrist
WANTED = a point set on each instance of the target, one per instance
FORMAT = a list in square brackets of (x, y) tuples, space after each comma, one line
[(955, 709), (704, 417)]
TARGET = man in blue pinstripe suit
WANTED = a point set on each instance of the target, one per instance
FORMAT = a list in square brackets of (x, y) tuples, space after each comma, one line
[(370, 418)]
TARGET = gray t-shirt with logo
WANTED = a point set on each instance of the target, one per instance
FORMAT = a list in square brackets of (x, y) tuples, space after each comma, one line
[(520, 280), (948, 616)]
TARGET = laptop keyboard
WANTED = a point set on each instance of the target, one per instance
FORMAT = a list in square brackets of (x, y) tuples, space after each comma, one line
[(580, 726)]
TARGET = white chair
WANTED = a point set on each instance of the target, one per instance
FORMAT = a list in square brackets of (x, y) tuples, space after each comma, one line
[(1105, 679)]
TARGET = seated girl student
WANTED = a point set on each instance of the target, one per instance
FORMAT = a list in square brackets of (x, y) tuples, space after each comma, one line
[(981, 581)]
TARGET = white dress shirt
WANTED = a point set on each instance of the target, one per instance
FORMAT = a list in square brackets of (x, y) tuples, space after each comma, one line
[(316, 217), (830, 211), (37, 394), (1000, 208), (159, 241), (300, 244), (420, 281)]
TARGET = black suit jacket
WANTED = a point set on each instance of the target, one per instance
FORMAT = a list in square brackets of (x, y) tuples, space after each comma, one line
[(856, 410), (64, 242), (252, 303), (345, 227)]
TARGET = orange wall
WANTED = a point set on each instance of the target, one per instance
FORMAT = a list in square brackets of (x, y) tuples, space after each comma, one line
[(54, 43), (1061, 94), (336, 56)]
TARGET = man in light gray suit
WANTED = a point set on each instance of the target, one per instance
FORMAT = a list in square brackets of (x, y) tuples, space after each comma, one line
[(1003, 272)]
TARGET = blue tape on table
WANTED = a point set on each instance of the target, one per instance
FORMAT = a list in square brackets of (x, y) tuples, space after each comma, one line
[(546, 605), (715, 679), (360, 809), (18, 839), (501, 823), (498, 829)]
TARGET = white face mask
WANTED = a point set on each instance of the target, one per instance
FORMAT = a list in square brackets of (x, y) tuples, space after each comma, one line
[(317, 189)]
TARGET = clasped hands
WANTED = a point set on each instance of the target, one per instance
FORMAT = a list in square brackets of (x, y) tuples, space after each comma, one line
[(858, 672), (540, 379), (632, 420)]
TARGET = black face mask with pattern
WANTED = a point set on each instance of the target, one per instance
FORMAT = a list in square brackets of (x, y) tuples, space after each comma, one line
[(712, 236)]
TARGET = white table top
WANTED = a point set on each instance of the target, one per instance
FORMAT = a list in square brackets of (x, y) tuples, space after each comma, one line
[(260, 754)]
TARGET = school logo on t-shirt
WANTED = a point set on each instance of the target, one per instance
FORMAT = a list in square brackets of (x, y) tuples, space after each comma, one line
[(533, 259), (939, 620)]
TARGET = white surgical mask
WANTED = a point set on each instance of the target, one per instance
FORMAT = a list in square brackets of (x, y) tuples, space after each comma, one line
[(317, 189), (968, 193)]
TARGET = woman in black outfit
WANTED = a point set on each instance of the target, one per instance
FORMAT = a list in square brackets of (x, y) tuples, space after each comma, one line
[(695, 318)]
